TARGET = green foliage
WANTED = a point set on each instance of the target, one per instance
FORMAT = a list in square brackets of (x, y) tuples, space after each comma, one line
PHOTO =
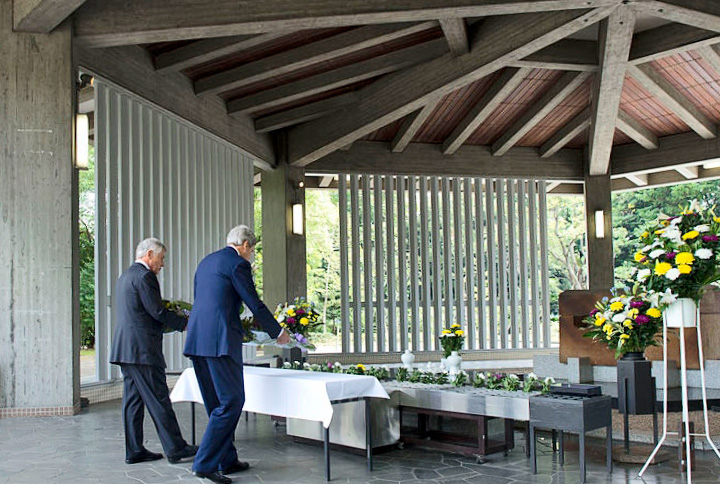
[(86, 234)]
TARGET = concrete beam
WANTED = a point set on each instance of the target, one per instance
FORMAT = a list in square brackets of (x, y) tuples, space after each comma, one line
[(689, 172), (614, 43), (666, 40), (600, 250), (564, 55), (105, 24), (674, 100), (306, 55), (411, 126), (41, 16), (566, 134), (456, 35), (639, 133), (302, 114), (427, 159), (638, 179), (703, 14), (396, 96)]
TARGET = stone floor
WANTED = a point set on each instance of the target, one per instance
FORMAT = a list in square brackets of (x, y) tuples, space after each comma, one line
[(88, 448)]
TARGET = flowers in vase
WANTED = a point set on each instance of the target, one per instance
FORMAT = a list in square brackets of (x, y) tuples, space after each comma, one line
[(679, 253), (299, 318), (626, 323), (452, 339)]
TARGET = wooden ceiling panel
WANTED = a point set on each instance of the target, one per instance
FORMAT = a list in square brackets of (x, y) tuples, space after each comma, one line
[(537, 83), (579, 141), (639, 104), (620, 138), (386, 133)]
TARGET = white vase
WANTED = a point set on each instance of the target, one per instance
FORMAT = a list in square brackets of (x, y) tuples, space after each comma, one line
[(407, 359), (681, 314), (454, 361)]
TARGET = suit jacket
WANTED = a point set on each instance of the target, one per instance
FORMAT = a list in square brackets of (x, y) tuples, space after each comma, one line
[(141, 319), (223, 281)]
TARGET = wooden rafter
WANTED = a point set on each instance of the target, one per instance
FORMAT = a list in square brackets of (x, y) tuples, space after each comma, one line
[(456, 35), (300, 57), (411, 126), (340, 77), (304, 113), (564, 55), (567, 84), (614, 43), (396, 96), (566, 134), (669, 96)]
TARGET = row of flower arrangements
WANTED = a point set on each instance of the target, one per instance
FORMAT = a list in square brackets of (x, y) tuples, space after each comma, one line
[(492, 381)]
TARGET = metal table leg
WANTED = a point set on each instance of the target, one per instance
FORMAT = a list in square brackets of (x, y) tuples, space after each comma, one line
[(608, 449), (581, 437), (533, 456), (561, 447), (368, 435), (326, 439), (192, 420)]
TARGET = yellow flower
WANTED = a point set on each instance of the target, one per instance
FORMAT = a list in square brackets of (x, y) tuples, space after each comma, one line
[(654, 313), (627, 323), (624, 336), (639, 256), (600, 322), (690, 235), (659, 231), (459, 332), (455, 326), (608, 328), (360, 366), (608, 337), (304, 321), (684, 258), (661, 268), (617, 306), (645, 234), (716, 220), (447, 331), (684, 269), (291, 312)]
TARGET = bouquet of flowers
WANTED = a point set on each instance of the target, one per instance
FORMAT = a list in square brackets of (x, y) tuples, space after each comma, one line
[(452, 339), (299, 318), (625, 323), (181, 308), (679, 254)]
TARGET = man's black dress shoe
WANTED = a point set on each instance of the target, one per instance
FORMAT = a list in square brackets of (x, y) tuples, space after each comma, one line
[(146, 456), (237, 466), (187, 451), (213, 476)]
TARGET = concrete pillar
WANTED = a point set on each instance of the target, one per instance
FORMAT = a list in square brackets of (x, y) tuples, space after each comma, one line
[(39, 328), (284, 261), (601, 274)]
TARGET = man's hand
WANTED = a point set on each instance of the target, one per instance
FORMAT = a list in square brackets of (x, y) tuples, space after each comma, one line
[(283, 338)]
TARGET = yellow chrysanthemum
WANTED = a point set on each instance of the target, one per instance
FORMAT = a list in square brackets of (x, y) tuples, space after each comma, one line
[(446, 331), (690, 235), (607, 328), (616, 306), (608, 337), (624, 336), (639, 256), (645, 234), (459, 332), (685, 269), (716, 220), (633, 312), (600, 322), (654, 313), (360, 366), (661, 268), (290, 312), (627, 323), (304, 321), (455, 326), (684, 258)]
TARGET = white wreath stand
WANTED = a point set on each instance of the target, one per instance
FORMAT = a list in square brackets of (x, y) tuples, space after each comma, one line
[(684, 313)]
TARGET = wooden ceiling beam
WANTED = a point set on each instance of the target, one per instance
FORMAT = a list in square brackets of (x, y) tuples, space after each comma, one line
[(666, 40), (411, 126), (564, 55), (711, 56), (498, 92), (638, 179), (455, 32), (689, 172), (41, 16), (614, 43), (565, 86), (703, 14), (301, 114), (106, 24), (670, 97), (326, 181), (207, 50), (306, 55), (398, 95), (566, 134), (635, 130), (427, 159), (340, 77)]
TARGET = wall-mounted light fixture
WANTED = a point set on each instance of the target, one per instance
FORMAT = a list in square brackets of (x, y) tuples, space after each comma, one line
[(82, 141), (599, 224), (297, 219)]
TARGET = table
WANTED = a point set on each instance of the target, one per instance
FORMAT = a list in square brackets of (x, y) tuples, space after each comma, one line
[(571, 414), (305, 395)]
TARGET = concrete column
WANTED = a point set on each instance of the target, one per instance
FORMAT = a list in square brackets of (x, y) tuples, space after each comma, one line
[(284, 261), (39, 328), (601, 272)]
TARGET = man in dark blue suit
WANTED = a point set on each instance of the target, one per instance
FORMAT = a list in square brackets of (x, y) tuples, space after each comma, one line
[(223, 281), (137, 348)]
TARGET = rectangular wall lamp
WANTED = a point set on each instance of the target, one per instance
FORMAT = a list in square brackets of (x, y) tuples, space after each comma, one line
[(82, 141), (599, 224), (297, 219)]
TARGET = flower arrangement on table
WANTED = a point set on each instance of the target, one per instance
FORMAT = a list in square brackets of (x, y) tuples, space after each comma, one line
[(181, 308), (626, 323), (299, 318), (679, 254), (452, 339)]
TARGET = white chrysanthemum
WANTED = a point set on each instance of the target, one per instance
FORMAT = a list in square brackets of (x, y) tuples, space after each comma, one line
[(481, 376), (656, 253), (673, 273), (306, 365), (513, 376), (643, 274), (287, 365), (702, 228), (703, 254), (549, 380), (532, 375)]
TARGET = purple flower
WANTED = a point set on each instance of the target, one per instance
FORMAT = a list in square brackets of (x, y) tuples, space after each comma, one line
[(299, 312), (710, 238), (642, 319), (670, 255), (290, 320), (594, 312), (300, 338), (637, 304)]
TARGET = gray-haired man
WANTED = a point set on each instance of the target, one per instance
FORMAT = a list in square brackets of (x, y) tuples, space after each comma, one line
[(137, 348)]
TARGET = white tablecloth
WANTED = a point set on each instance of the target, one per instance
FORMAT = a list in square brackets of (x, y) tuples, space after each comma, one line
[(306, 395)]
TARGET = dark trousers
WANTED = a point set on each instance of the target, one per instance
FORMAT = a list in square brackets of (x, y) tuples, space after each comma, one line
[(221, 384), (146, 386)]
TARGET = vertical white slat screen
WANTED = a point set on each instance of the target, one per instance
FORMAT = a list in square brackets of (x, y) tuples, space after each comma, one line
[(159, 176), (434, 251)]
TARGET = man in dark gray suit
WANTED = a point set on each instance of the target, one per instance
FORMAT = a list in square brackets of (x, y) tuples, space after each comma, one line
[(137, 348)]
